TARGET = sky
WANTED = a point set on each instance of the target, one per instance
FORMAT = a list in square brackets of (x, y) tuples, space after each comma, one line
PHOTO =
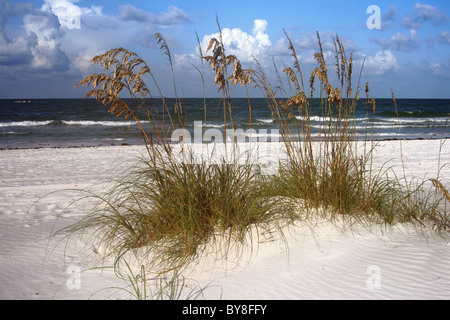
[(46, 45)]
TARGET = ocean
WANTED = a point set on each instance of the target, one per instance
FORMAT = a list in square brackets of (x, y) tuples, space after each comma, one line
[(38, 123)]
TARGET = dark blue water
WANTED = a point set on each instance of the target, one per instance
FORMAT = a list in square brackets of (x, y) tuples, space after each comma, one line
[(81, 122)]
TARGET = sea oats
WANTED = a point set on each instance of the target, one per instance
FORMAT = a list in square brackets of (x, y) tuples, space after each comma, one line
[(438, 185), (296, 63), (121, 78), (372, 105), (212, 42), (219, 63)]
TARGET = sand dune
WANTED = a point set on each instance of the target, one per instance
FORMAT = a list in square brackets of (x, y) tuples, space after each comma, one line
[(320, 261)]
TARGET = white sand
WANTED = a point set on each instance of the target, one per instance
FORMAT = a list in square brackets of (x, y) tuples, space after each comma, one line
[(322, 262)]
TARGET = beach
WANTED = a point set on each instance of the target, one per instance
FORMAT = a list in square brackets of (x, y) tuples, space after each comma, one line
[(43, 190)]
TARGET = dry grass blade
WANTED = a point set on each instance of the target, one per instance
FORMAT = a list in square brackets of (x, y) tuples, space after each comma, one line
[(438, 185), (163, 45)]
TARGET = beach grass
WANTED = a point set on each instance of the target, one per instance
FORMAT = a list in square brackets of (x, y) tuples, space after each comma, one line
[(175, 207), (176, 212), (173, 210), (143, 286), (335, 172)]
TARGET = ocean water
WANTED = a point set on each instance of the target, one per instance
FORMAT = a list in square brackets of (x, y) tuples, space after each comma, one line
[(85, 122)]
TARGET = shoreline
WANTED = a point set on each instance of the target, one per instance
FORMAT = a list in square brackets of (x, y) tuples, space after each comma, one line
[(204, 143)]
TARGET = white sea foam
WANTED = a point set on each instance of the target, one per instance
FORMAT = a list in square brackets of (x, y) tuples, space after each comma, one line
[(25, 123), (98, 123), (66, 122), (265, 120)]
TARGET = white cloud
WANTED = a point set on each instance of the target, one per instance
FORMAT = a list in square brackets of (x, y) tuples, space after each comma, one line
[(242, 44), (129, 12), (382, 62), (433, 67), (400, 41), (83, 62), (13, 50), (69, 14), (43, 31), (174, 15), (424, 13), (259, 30)]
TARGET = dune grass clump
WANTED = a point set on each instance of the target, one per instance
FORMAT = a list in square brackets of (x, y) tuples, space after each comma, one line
[(328, 170), (173, 208), (331, 169), (174, 214)]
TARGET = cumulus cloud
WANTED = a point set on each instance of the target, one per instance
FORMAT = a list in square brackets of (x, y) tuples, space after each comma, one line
[(259, 31), (69, 15), (98, 32), (423, 13), (382, 62), (400, 41), (242, 44), (44, 31), (36, 46), (13, 51), (83, 62), (72, 16)]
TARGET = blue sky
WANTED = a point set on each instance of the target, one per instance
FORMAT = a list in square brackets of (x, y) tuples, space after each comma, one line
[(46, 45)]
